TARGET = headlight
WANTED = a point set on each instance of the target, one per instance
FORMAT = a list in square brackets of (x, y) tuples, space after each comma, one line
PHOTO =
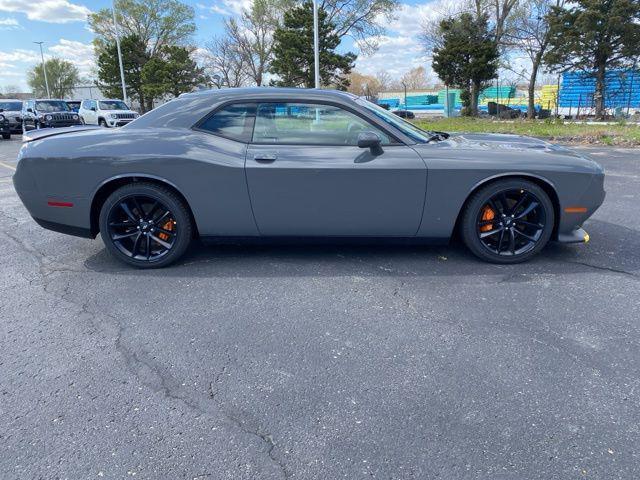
[(136, 115), (1, 118), (112, 115), (75, 117), (48, 118)]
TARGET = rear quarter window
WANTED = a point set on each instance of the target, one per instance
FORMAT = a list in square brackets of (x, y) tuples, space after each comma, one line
[(233, 121)]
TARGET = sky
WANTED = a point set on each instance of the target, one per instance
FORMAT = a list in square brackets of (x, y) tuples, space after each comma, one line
[(62, 25)]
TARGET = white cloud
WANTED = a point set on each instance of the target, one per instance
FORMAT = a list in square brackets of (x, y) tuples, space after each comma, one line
[(395, 55), (17, 63), (52, 11), (401, 49), (9, 24), (226, 7), (78, 53)]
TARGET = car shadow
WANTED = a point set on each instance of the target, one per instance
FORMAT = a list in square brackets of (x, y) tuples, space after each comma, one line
[(613, 248)]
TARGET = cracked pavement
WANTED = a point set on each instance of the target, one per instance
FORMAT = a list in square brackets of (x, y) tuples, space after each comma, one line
[(322, 362)]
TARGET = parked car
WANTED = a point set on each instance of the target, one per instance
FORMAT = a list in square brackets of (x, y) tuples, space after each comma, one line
[(405, 114), (5, 130), (274, 163), (12, 110), (46, 113), (74, 105), (106, 113)]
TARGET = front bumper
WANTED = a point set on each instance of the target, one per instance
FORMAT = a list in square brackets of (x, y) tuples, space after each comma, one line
[(61, 124), (118, 122), (575, 236)]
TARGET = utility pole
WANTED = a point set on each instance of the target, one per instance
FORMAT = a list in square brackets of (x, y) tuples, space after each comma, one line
[(115, 27), (44, 69), (316, 46)]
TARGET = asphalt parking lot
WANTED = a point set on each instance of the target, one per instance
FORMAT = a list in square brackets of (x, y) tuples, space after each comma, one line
[(322, 362)]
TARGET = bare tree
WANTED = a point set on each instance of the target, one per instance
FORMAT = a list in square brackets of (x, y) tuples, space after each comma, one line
[(253, 36), (224, 63), (499, 12), (530, 35), (360, 19), (415, 79), (384, 80)]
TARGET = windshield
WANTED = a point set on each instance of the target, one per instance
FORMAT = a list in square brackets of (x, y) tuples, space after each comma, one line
[(49, 106), (113, 105), (11, 106), (409, 129)]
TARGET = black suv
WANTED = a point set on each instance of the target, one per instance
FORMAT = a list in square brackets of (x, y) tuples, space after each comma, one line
[(12, 111), (45, 113), (5, 131)]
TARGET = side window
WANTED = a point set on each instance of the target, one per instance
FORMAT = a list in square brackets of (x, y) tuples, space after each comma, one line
[(93, 104), (234, 121), (310, 124)]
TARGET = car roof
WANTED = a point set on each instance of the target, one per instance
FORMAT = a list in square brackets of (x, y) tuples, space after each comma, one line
[(10, 100), (268, 92)]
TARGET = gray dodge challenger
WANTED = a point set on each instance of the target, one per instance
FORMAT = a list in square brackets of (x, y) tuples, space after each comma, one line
[(270, 163)]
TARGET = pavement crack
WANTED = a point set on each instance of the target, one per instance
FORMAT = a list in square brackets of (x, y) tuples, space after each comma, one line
[(242, 424), (604, 268)]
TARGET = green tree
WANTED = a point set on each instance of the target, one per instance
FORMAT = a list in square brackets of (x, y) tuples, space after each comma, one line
[(147, 27), (594, 36), (293, 51), (63, 76), (172, 73), (134, 58), (156, 22), (467, 58)]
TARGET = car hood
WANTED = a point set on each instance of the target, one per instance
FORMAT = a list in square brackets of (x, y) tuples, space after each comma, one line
[(511, 151), (493, 141), (117, 111), (59, 112)]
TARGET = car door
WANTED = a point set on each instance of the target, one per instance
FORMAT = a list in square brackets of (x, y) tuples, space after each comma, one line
[(307, 176), (29, 115), (92, 115)]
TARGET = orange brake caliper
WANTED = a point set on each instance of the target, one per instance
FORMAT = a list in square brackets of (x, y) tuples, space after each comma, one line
[(166, 226), (487, 215)]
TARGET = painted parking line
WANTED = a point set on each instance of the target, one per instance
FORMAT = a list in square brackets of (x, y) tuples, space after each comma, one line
[(10, 167)]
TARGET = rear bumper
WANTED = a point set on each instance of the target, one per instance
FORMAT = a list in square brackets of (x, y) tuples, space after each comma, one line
[(60, 213)]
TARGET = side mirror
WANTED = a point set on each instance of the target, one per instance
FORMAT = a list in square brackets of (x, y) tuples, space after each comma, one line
[(30, 110), (370, 140), (93, 109)]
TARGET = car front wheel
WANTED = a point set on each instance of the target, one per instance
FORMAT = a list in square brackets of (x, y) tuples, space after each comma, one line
[(508, 221), (145, 225)]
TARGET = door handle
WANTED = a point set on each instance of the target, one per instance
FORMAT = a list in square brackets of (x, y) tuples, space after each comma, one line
[(265, 157)]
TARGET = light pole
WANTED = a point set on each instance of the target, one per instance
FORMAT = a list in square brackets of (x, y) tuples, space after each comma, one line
[(44, 69), (316, 46), (405, 94), (115, 27)]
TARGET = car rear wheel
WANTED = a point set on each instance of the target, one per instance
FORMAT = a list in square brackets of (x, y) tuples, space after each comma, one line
[(508, 221), (145, 225)]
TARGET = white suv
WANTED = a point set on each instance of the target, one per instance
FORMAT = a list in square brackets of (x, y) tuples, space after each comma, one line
[(106, 113)]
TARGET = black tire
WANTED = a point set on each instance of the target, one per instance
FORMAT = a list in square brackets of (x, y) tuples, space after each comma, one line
[(6, 136), (473, 221), (153, 194), (103, 123)]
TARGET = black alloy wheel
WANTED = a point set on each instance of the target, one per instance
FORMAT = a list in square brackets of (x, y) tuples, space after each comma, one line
[(145, 225), (508, 221)]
